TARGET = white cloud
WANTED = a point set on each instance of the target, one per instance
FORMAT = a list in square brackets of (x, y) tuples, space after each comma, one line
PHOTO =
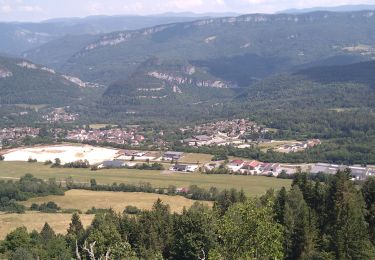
[(5, 9), (135, 7), (185, 5), (30, 8)]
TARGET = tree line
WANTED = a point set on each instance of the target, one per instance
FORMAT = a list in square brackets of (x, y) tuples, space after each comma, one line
[(329, 219)]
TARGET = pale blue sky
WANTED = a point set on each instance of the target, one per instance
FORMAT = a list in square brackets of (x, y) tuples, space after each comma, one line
[(36, 10)]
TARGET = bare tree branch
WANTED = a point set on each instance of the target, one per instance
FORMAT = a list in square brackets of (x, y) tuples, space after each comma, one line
[(77, 252), (204, 256), (90, 250)]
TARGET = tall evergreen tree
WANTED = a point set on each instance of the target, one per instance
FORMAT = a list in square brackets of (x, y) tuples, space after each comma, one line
[(279, 205), (75, 232), (248, 231), (154, 231), (47, 233), (346, 221), (103, 231), (368, 192), (194, 232), (300, 230)]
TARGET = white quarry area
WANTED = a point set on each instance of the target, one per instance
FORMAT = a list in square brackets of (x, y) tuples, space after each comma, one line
[(48, 70), (80, 82), (210, 39), (66, 153), (4, 73), (112, 40), (176, 89), (150, 89), (75, 80), (153, 97), (27, 65), (187, 80), (247, 45)]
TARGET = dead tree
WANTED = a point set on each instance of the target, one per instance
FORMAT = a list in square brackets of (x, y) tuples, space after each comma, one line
[(90, 251), (203, 256)]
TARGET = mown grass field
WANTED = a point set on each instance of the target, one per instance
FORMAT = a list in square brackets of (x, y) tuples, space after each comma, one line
[(265, 146), (35, 221), (252, 185), (196, 158), (84, 200), (98, 126)]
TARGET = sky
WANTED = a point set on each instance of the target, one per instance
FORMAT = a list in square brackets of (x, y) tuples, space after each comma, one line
[(37, 10)]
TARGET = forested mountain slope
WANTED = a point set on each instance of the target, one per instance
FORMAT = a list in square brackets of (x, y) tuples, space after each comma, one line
[(19, 37), (362, 73), (22, 82), (268, 44)]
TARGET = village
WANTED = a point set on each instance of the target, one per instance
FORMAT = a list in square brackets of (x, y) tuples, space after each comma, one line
[(240, 133), (59, 115), (11, 137), (14, 136), (119, 136), (178, 163)]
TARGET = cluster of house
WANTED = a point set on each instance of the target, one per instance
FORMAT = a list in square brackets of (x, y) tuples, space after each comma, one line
[(228, 132), (129, 159), (298, 146), (254, 167), (184, 168), (358, 172), (115, 136), (9, 136), (231, 128), (60, 116)]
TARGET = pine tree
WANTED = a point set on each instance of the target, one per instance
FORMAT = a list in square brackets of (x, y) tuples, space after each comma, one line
[(300, 230), (75, 226), (47, 232), (279, 205), (75, 232), (368, 192), (248, 231), (223, 202), (194, 231), (347, 225)]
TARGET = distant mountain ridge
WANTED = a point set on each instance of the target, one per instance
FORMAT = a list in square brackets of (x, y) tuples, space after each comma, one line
[(18, 37), (274, 43), (342, 8)]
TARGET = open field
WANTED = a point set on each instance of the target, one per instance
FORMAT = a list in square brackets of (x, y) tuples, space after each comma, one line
[(252, 185), (66, 153), (35, 221), (34, 107), (196, 158), (99, 126), (265, 146), (84, 200)]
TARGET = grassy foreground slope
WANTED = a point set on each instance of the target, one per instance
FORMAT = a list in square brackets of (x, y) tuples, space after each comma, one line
[(36, 220), (252, 185), (85, 200)]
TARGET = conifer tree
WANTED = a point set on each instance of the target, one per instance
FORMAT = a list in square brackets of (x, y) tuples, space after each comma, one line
[(47, 232), (347, 225), (368, 192), (300, 231)]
